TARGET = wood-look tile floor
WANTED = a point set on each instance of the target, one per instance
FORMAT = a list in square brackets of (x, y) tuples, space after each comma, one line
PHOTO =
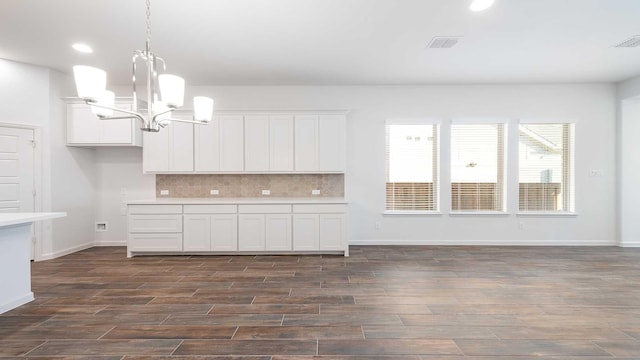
[(401, 303)]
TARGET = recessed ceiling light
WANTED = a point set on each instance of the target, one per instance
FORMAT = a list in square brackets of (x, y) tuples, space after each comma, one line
[(480, 5), (83, 48)]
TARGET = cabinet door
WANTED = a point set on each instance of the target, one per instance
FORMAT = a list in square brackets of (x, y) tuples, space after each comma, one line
[(251, 232), (278, 232), (118, 131), (224, 232), (83, 127), (197, 233), (331, 143), (306, 143), (305, 232), (231, 143), (332, 231), (207, 146), (155, 151), (281, 143), (180, 146), (256, 143)]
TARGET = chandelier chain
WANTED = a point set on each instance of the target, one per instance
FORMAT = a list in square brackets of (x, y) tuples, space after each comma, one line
[(148, 25)]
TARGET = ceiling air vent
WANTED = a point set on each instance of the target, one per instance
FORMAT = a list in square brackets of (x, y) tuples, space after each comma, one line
[(630, 43), (443, 42)]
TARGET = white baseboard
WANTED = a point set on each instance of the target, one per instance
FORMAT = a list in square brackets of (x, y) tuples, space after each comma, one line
[(67, 251), (470, 242), (629, 244), (16, 302), (110, 243)]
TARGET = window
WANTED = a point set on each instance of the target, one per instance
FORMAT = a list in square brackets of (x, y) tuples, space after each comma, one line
[(412, 167), (546, 167), (477, 167)]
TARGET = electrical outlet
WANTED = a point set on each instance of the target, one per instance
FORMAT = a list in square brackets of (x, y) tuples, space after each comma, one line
[(595, 173), (164, 192), (315, 192), (214, 192), (521, 225), (266, 192), (102, 226), (378, 225)]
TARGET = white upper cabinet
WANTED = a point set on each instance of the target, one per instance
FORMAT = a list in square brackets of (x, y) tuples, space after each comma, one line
[(85, 129), (219, 146), (256, 143), (268, 143), (281, 143), (306, 143), (331, 143), (170, 149), (320, 143), (260, 143)]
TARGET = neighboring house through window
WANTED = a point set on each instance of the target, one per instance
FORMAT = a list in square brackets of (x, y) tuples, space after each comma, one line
[(546, 167), (412, 166), (478, 167)]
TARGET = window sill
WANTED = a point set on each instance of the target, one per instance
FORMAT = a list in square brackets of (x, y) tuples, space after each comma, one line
[(547, 214), (481, 213), (408, 212)]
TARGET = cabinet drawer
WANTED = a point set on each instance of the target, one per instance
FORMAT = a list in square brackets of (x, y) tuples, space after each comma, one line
[(155, 242), (155, 209), (210, 209), (264, 209), (155, 223), (319, 208)]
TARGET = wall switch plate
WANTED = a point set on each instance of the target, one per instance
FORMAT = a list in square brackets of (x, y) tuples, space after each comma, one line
[(164, 192), (595, 173), (266, 192), (315, 192), (214, 192)]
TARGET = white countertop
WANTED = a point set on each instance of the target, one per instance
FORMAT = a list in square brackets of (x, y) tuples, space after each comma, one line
[(223, 200), (7, 219)]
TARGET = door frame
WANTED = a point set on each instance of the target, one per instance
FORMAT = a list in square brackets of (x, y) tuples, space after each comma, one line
[(37, 181)]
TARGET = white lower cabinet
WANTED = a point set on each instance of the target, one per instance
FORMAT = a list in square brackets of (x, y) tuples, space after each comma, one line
[(306, 232), (264, 227), (251, 232), (210, 228), (154, 228), (320, 227), (239, 227)]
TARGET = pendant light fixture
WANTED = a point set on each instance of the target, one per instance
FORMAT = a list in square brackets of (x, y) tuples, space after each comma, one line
[(164, 92)]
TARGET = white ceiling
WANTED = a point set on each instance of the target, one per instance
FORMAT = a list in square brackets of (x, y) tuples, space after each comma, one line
[(333, 42)]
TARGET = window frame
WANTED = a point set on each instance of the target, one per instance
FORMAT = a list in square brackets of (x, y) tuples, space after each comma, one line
[(436, 123), (502, 162), (568, 168)]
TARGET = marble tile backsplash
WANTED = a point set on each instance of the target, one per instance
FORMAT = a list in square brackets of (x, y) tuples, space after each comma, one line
[(291, 185)]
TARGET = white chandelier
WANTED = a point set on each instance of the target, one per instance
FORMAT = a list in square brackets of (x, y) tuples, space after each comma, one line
[(165, 92)]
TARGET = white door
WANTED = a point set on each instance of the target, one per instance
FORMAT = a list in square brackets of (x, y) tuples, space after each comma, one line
[(196, 233), (306, 143), (251, 232), (281, 143), (306, 232), (256, 143), (224, 232), (332, 231), (17, 185)]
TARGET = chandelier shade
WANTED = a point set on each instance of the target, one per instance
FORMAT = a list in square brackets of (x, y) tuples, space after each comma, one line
[(202, 108), (90, 82), (163, 93), (172, 90)]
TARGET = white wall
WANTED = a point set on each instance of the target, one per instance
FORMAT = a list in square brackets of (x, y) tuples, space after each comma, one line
[(628, 152), (119, 177), (31, 95), (591, 107)]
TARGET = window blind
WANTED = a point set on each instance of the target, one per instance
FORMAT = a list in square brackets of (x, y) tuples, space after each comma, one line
[(545, 167), (477, 167), (412, 167)]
